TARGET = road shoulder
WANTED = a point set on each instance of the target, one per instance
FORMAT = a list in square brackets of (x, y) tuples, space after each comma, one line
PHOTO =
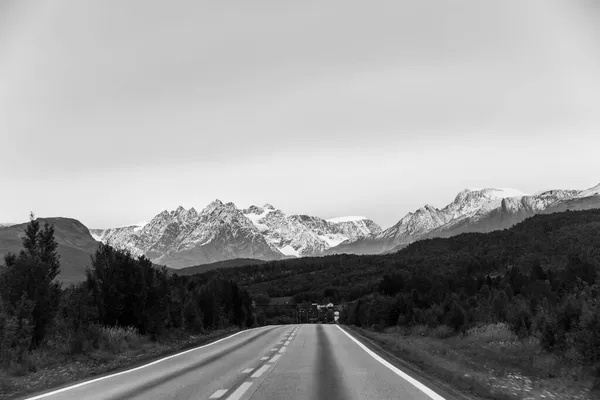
[(437, 385), (77, 373)]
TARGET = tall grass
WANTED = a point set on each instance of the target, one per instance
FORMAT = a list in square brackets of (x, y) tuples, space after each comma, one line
[(116, 340)]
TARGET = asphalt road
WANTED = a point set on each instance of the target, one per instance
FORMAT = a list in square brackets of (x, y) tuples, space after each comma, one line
[(276, 362)]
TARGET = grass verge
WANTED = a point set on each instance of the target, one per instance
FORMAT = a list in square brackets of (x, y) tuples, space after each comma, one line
[(488, 362), (118, 349)]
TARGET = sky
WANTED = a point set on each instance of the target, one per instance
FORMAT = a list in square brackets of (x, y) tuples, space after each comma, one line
[(112, 111)]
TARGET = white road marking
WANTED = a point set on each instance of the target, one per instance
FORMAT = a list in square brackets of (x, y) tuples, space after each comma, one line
[(260, 371), (218, 394), (275, 358), (281, 350), (273, 349), (247, 370), (239, 392), (395, 370), (287, 343), (41, 396), (264, 358)]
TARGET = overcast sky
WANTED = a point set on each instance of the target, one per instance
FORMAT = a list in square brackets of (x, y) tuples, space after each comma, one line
[(111, 111)]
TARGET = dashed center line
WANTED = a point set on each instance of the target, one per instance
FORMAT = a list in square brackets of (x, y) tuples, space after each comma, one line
[(218, 394), (239, 392), (260, 371), (275, 358)]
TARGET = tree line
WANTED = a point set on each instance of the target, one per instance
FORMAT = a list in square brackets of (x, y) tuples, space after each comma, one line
[(120, 290)]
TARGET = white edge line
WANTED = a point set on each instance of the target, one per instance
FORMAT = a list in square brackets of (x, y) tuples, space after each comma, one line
[(239, 392), (395, 370), (247, 370), (41, 396)]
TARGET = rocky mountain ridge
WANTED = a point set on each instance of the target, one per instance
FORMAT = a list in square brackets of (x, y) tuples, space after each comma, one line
[(221, 231), (473, 210)]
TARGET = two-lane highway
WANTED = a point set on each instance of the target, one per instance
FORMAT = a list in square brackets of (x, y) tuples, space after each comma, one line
[(275, 362)]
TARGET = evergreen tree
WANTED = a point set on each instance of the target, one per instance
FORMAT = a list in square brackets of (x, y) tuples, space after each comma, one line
[(31, 278)]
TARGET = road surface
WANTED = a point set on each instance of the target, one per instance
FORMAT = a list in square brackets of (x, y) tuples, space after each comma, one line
[(275, 362)]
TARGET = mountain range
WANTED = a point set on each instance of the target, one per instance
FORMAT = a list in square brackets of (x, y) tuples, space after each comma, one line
[(222, 232), (473, 210)]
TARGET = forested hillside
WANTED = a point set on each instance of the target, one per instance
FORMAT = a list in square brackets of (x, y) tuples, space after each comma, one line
[(553, 242), (541, 277), (123, 299)]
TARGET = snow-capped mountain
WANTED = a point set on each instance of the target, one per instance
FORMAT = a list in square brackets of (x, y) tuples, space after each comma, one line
[(222, 231), (303, 235), (468, 204), (473, 210)]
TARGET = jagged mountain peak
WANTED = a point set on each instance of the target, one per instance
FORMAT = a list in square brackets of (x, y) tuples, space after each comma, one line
[(427, 208), (215, 203), (222, 231), (217, 206)]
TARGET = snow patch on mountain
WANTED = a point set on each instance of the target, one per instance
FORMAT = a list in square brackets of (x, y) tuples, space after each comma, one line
[(288, 250), (593, 191), (332, 240), (502, 192), (256, 214)]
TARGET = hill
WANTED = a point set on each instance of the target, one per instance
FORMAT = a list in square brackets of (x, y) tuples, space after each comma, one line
[(75, 245), (198, 269)]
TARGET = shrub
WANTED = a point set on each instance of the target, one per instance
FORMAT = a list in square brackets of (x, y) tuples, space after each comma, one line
[(15, 333), (441, 332), (492, 332), (420, 330)]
